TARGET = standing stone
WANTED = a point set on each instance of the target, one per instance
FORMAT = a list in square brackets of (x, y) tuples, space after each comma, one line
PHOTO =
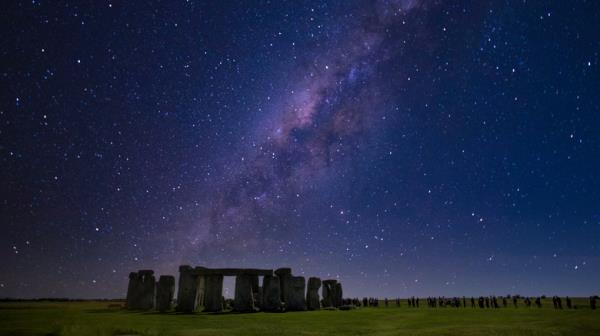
[(258, 297), (329, 293), (148, 290), (271, 293), (256, 291), (133, 291), (190, 292), (244, 297), (213, 293), (164, 292), (255, 283), (312, 294), (338, 296), (296, 299), (284, 275)]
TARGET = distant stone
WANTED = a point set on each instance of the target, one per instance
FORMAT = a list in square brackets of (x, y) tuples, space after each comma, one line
[(283, 271), (165, 290), (312, 294), (284, 275), (296, 299), (148, 293), (133, 290), (213, 293), (338, 295), (244, 297), (141, 290), (190, 294), (329, 287), (271, 300), (258, 297)]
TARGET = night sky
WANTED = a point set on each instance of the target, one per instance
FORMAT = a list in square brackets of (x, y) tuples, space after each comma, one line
[(406, 147)]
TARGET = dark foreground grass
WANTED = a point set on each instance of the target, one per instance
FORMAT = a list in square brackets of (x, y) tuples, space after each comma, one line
[(97, 318)]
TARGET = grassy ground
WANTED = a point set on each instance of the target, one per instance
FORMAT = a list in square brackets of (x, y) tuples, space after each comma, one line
[(97, 318)]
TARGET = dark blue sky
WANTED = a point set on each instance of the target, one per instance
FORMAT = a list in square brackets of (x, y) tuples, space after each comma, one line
[(408, 147)]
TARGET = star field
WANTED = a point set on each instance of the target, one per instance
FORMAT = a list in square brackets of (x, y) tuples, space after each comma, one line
[(408, 147)]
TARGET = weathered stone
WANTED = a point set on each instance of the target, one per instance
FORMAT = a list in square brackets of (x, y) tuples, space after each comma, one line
[(296, 299), (190, 294), (213, 293), (271, 294), (147, 290), (133, 290), (244, 297), (337, 299), (283, 271), (165, 290), (255, 283), (284, 275), (329, 293), (258, 297), (201, 286), (141, 290), (312, 294)]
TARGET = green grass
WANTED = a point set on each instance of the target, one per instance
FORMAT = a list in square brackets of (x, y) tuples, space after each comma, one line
[(96, 318)]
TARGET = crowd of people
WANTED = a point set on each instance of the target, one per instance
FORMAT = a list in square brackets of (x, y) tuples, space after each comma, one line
[(480, 302)]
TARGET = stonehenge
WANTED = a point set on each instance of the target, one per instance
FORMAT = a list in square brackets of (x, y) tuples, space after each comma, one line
[(201, 289)]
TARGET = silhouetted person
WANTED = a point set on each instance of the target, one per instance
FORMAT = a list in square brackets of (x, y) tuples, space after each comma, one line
[(397, 302), (417, 302), (487, 302), (538, 302), (568, 299), (504, 302), (515, 301), (472, 302), (386, 302), (481, 302), (593, 302)]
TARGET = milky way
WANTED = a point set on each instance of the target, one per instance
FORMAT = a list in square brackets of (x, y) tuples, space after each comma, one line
[(405, 147), (308, 135)]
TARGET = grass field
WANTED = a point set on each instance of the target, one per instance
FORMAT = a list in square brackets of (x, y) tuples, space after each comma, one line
[(97, 318)]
